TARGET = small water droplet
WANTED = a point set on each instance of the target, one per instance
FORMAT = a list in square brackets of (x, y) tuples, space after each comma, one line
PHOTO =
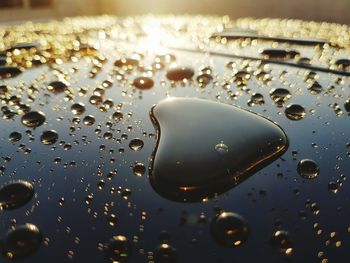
[(221, 148), (78, 108), (143, 83), (230, 229), (119, 249), (89, 120), (58, 86), (179, 73), (282, 242), (295, 112), (49, 137), (165, 253), (139, 169), (15, 136), (33, 119), (280, 94), (136, 144), (308, 169)]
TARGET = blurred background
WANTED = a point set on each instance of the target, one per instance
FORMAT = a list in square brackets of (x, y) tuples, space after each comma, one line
[(318, 10)]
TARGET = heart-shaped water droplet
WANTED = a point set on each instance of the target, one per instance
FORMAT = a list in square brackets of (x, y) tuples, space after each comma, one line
[(206, 147)]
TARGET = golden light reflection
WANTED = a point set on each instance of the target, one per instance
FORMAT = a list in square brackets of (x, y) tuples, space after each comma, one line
[(156, 37)]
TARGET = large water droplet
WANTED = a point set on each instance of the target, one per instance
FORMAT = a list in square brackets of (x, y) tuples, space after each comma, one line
[(229, 229), (21, 242), (191, 133), (15, 194)]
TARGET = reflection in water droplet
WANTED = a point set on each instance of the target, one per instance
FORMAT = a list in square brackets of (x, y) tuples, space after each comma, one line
[(165, 253), (15, 136), (230, 229), (252, 140), (119, 249), (21, 242), (179, 73), (295, 112), (33, 119), (136, 144), (78, 108), (282, 242), (139, 169), (49, 137), (143, 83), (308, 169), (15, 195)]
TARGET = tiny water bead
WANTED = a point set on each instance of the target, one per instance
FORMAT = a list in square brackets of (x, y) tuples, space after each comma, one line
[(179, 73), (308, 169), (136, 144), (282, 242), (295, 112), (21, 242), (143, 83), (33, 119), (16, 194), (78, 108), (49, 137), (232, 143), (230, 229), (165, 253), (119, 249), (139, 169), (15, 136)]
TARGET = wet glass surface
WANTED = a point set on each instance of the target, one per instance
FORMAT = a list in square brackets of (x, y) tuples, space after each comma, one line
[(88, 158)]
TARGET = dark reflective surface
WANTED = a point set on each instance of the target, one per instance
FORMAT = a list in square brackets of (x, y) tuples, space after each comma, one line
[(85, 184)]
